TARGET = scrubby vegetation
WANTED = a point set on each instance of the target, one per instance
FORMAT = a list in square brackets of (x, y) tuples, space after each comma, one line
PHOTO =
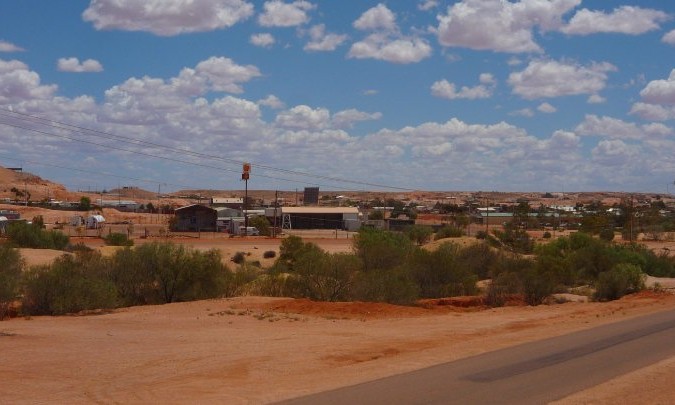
[(26, 235), (117, 239), (384, 267), (153, 273), (11, 266)]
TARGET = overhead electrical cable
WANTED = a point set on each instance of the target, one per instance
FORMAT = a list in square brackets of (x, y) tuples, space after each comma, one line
[(106, 135)]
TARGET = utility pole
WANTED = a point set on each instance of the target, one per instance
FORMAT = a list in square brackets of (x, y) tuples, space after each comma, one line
[(245, 174), (276, 204), (487, 216), (630, 214), (159, 193)]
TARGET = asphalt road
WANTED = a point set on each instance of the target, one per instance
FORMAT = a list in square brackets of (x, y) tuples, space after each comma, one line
[(532, 373)]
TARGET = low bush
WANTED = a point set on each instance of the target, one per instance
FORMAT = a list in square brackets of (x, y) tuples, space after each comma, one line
[(420, 234), (26, 235), (449, 231), (78, 247), (66, 287), (269, 254), (118, 239), (239, 257), (11, 266), (621, 280)]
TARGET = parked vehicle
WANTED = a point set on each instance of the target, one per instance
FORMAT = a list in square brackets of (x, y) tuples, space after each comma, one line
[(249, 230)]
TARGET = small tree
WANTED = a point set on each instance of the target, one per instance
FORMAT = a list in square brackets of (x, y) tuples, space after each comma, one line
[(118, 239), (262, 224), (85, 203), (420, 234), (623, 279)]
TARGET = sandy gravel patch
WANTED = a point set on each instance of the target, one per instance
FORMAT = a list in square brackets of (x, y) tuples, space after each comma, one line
[(36, 257), (259, 350)]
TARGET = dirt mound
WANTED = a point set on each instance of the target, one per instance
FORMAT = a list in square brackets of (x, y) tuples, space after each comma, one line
[(345, 310), (464, 241)]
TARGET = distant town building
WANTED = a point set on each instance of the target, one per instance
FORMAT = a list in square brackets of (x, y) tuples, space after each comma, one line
[(311, 196), (229, 202)]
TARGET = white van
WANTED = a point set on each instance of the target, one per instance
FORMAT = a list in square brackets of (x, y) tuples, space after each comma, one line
[(249, 230)]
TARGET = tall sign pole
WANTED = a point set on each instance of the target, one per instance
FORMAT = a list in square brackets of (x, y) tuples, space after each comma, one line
[(245, 174)]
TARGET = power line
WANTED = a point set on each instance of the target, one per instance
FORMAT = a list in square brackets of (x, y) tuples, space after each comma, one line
[(156, 156), (94, 172), (136, 142)]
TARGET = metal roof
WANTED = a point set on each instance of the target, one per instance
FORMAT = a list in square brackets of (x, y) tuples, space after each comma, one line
[(319, 210)]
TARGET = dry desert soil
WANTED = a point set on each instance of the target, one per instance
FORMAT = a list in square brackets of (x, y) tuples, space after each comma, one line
[(260, 350)]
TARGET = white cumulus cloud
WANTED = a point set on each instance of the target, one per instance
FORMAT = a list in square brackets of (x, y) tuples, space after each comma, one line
[(18, 83), (166, 17), (386, 42), (547, 79), (322, 41), (546, 108), (9, 47), (625, 20), (614, 128), (347, 118), (272, 101), (264, 40), (74, 65), (501, 26), (379, 17), (397, 50), (669, 38), (660, 91), (279, 14), (445, 89)]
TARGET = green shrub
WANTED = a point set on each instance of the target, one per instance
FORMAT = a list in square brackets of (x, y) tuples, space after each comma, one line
[(64, 287), (162, 272), (441, 273), (326, 277), (11, 266), (30, 236), (78, 247), (619, 281), (262, 224), (501, 288), (449, 231), (478, 258), (420, 234), (518, 240), (381, 250), (394, 286), (118, 239), (239, 257), (289, 250), (537, 286)]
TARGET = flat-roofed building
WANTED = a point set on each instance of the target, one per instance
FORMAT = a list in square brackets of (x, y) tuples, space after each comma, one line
[(345, 218)]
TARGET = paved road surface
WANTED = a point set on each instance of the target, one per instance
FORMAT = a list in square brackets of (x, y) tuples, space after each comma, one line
[(533, 373)]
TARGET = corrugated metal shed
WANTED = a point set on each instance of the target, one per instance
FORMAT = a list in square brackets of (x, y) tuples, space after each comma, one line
[(319, 210)]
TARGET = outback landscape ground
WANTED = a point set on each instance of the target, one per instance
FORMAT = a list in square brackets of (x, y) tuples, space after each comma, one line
[(260, 350)]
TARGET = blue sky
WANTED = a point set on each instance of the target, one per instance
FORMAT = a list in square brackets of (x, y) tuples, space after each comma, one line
[(529, 95)]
